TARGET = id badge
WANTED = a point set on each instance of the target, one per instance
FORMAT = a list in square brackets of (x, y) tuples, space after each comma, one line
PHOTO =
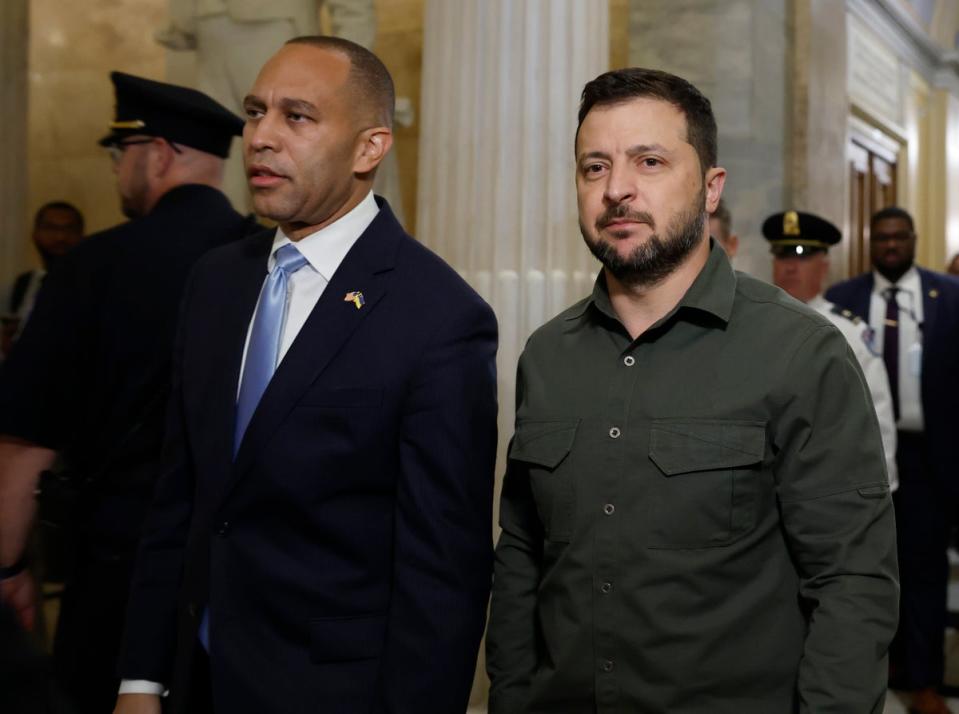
[(914, 359)]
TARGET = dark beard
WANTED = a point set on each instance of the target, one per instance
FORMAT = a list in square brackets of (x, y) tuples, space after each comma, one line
[(657, 258)]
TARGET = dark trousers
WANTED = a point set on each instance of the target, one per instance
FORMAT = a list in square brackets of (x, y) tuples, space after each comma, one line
[(90, 627), (924, 515)]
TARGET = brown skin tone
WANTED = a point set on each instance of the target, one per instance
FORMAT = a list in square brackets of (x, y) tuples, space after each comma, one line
[(730, 243), (801, 276), (56, 231), (892, 247), (635, 154), (953, 268), (310, 156), (310, 150)]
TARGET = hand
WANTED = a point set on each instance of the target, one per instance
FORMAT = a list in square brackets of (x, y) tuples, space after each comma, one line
[(137, 704), (20, 593)]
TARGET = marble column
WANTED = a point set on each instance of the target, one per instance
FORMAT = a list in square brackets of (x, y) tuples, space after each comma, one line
[(496, 196), (14, 16), (735, 52)]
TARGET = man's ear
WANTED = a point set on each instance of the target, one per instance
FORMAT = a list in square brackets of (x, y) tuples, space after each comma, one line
[(715, 179), (160, 159), (372, 147)]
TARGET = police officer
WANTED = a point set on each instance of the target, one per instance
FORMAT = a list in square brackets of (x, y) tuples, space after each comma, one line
[(89, 377), (800, 245)]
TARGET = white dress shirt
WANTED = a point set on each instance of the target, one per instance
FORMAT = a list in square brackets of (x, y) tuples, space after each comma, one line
[(324, 251), (861, 341), (909, 299)]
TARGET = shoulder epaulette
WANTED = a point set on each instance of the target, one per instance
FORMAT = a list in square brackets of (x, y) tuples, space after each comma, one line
[(848, 314)]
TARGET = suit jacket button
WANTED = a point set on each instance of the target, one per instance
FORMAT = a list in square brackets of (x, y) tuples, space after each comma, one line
[(223, 528)]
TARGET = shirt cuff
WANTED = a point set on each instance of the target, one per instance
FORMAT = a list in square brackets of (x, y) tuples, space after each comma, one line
[(142, 686)]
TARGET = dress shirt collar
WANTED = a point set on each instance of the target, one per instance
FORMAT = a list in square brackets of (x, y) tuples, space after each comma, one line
[(713, 290), (909, 281), (819, 303), (325, 249)]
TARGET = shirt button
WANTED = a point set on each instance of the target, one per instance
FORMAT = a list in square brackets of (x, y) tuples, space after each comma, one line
[(629, 360), (606, 588), (614, 432), (607, 665), (609, 509)]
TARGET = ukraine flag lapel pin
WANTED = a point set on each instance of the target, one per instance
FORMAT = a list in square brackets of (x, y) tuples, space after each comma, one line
[(355, 297)]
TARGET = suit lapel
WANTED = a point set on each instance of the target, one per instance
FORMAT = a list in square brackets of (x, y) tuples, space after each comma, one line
[(930, 301), (367, 269), (864, 298)]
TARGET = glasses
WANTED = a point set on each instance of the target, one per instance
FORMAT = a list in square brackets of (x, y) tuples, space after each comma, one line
[(116, 149)]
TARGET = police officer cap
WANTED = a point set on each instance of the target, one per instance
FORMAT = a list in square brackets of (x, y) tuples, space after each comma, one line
[(798, 233), (179, 114)]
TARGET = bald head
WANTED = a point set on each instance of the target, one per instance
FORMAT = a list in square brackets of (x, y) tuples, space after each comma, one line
[(369, 83)]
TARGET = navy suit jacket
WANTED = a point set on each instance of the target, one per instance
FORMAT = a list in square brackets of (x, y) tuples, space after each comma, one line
[(345, 554), (940, 359)]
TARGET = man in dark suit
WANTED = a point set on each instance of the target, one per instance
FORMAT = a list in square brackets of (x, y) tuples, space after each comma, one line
[(320, 540), (90, 374), (915, 315)]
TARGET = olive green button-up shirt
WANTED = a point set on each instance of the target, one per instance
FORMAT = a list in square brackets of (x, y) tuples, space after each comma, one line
[(697, 521)]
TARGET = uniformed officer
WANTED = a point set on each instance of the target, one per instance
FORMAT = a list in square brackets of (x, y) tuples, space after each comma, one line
[(800, 245), (695, 512), (89, 375)]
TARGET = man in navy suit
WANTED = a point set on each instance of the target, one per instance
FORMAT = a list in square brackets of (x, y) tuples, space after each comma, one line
[(915, 315), (320, 540)]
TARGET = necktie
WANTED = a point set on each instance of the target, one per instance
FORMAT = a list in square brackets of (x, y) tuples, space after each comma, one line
[(264, 348), (890, 346), (261, 357)]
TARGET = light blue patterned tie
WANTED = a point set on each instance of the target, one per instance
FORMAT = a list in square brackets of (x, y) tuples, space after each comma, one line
[(261, 357), (264, 349)]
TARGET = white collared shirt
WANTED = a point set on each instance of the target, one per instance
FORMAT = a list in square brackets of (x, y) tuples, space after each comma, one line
[(324, 251), (909, 299)]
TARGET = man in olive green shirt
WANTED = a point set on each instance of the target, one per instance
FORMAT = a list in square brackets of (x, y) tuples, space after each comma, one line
[(696, 516)]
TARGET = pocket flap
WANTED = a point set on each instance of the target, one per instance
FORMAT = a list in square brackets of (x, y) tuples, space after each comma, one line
[(344, 639), (545, 443), (686, 445)]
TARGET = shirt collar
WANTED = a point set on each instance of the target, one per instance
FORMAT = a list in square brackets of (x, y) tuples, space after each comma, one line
[(326, 248), (819, 303), (713, 290), (909, 281)]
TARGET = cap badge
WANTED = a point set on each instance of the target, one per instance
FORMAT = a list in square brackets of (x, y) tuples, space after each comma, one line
[(355, 297), (790, 223), (131, 124)]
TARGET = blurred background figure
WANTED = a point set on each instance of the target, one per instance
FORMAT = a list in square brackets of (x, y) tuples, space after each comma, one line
[(721, 228), (800, 245), (953, 267), (57, 227), (89, 377), (914, 313)]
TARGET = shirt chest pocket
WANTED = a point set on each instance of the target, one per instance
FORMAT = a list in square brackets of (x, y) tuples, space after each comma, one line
[(543, 449), (706, 490)]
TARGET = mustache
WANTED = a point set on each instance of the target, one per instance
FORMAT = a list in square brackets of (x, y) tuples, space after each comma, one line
[(622, 211)]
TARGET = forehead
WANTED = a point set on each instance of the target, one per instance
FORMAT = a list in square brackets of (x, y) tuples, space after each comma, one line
[(59, 216), (302, 71), (644, 120), (891, 225)]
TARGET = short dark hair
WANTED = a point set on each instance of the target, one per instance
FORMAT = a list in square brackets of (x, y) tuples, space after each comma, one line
[(623, 85), (725, 219), (369, 79), (58, 206), (892, 212)]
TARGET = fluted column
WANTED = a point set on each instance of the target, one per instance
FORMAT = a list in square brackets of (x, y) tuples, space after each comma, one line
[(13, 137), (497, 199), (501, 87)]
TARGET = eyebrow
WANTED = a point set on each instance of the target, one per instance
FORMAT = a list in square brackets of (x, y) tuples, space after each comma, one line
[(290, 105), (637, 150)]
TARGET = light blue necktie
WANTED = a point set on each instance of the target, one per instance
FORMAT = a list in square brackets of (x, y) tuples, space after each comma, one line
[(261, 356), (264, 349)]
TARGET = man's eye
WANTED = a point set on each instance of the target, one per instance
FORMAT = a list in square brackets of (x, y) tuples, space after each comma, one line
[(651, 162), (252, 113), (294, 117), (592, 168)]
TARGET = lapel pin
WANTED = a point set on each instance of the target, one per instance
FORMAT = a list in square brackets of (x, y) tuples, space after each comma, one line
[(933, 293), (355, 297)]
